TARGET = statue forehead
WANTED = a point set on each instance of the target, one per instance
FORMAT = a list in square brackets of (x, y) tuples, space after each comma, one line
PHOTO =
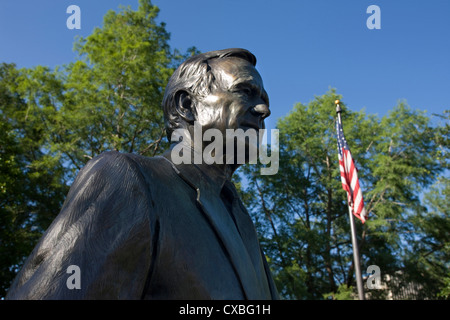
[(232, 71)]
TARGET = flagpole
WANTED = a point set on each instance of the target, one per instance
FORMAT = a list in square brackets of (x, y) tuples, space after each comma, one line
[(356, 260)]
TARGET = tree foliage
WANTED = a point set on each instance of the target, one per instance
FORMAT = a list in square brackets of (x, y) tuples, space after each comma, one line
[(32, 183), (111, 96)]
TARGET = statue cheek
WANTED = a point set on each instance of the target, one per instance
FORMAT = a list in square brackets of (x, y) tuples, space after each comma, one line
[(210, 117)]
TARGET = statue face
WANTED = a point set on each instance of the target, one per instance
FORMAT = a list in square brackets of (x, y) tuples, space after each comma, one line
[(223, 127), (237, 101)]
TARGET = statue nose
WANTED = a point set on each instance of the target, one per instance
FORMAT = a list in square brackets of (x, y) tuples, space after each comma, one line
[(261, 110)]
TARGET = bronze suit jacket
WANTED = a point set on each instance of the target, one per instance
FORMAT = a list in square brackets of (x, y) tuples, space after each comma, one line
[(143, 228)]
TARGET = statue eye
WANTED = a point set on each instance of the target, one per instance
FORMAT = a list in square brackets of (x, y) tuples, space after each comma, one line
[(248, 91), (245, 90)]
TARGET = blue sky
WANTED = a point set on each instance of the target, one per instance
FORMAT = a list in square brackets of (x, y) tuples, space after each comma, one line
[(303, 47)]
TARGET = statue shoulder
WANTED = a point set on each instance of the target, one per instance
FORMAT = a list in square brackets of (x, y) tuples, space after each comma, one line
[(124, 172), (120, 162)]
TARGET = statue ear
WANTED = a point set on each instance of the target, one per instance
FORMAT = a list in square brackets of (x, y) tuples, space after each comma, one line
[(185, 106)]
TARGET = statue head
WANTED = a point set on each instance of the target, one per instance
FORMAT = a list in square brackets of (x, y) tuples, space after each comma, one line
[(218, 89)]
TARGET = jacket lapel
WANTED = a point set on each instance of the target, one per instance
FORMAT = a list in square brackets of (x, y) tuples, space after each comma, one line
[(226, 230), (251, 240)]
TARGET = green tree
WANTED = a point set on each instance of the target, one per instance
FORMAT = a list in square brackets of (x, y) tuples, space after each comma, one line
[(428, 254), (112, 95), (32, 185), (301, 212)]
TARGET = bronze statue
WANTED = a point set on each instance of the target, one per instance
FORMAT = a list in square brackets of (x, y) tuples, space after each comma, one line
[(146, 228)]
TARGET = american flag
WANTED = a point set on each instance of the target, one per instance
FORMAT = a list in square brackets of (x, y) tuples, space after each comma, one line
[(349, 175)]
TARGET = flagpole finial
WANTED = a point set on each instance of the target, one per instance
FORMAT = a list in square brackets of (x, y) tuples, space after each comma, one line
[(338, 107)]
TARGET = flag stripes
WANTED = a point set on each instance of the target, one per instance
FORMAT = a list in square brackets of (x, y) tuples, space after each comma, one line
[(349, 175)]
